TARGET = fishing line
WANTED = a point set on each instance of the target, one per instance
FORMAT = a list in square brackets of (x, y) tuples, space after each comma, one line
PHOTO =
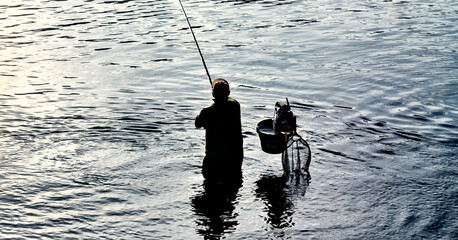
[(195, 40)]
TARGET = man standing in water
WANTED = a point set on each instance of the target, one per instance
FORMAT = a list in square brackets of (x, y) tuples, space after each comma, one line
[(223, 135)]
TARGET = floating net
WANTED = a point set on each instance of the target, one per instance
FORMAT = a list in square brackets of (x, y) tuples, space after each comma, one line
[(297, 156)]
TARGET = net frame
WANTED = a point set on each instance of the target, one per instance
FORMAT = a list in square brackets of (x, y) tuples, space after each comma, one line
[(292, 159)]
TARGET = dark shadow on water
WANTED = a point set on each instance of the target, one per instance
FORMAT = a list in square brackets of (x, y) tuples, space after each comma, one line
[(214, 207), (277, 194)]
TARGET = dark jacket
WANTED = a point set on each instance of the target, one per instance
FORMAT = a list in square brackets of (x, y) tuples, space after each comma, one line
[(223, 137)]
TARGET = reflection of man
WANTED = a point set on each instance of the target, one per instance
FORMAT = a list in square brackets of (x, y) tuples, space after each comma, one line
[(223, 136), (214, 208)]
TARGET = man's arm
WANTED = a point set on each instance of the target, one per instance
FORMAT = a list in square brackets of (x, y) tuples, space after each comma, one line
[(201, 119)]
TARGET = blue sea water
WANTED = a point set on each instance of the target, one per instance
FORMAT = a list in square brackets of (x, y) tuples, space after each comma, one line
[(98, 99)]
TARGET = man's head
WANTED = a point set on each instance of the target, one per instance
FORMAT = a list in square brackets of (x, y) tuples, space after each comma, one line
[(220, 89)]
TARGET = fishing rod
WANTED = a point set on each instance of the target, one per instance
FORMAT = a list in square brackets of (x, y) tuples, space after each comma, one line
[(195, 40)]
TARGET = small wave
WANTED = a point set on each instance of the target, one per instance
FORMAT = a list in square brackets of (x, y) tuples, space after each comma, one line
[(72, 24), (46, 29), (102, 49), (29, 93), (341, 154), (409, 135), (143, 128)]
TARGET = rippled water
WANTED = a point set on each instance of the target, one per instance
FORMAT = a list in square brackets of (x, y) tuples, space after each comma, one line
[(98, 99)]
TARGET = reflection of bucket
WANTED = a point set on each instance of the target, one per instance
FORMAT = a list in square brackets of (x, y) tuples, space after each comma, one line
[(270, 142)]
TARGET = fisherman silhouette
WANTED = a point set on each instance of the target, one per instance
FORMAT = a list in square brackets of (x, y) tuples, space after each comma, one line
[(223, 135)]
